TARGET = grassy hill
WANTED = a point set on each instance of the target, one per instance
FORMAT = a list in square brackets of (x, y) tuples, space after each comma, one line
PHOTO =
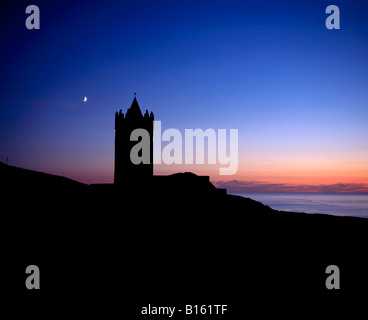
[(106, 252)]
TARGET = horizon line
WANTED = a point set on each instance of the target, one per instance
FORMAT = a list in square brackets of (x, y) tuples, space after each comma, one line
[(244, 186)]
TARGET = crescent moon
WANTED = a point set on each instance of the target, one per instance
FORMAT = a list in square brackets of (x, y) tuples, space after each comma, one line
[(85, 99)]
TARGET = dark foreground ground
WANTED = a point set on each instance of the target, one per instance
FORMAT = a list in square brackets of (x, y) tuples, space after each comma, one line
[(108, 253)]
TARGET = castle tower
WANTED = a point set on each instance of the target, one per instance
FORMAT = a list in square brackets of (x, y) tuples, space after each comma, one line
[(125, 170)]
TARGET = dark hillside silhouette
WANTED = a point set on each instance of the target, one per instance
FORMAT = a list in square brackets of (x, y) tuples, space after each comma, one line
[(112, 251), (16, 179)]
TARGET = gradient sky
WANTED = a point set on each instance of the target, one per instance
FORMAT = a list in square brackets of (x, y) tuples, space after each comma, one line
[(296, 91)]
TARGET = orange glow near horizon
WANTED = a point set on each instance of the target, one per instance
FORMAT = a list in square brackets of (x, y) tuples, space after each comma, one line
[(279, 171), (294, 173)]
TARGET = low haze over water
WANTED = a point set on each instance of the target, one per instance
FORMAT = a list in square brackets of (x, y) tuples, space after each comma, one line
[(352, 204)]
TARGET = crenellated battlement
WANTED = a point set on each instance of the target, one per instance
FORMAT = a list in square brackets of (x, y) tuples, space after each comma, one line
[(133, 113)]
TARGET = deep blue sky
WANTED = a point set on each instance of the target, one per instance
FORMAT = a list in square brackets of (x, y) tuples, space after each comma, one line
[(297, 92)]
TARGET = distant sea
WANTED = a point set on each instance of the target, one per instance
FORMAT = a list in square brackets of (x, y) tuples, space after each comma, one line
[(338, 204)]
